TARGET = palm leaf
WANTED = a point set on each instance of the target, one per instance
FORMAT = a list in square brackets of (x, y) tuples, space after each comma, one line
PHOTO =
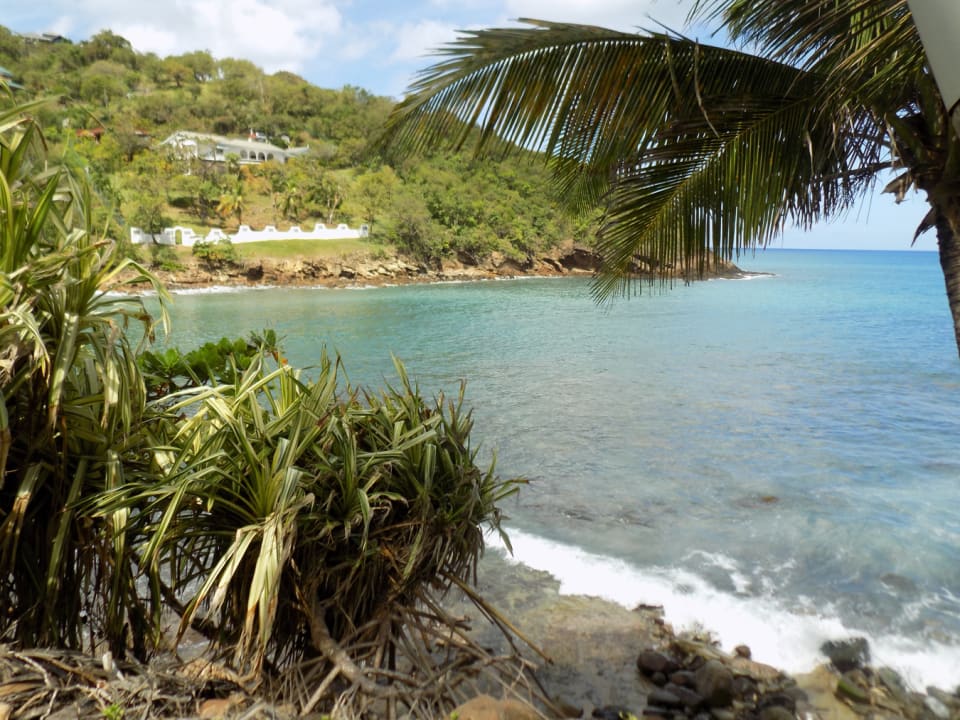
[(697, 152)]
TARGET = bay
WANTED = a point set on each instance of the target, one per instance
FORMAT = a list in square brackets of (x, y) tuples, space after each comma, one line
[(772, 458)]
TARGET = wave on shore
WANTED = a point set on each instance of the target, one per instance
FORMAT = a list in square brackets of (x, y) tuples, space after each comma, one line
[(789, 639)]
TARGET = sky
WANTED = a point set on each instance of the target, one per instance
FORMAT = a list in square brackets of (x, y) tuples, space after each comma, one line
[(380, 45)]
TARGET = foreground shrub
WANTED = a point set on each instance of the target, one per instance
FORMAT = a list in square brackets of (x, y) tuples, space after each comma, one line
[(289, 507), (216, 254)]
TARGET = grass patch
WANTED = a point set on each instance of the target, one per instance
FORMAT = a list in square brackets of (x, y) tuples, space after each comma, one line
[(286, 249), (290, 250)]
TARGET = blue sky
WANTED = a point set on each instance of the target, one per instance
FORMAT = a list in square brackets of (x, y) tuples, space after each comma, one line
[(380, 44)]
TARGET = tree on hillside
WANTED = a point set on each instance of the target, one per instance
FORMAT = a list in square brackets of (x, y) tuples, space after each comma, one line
[(699, 152), (201, 63), (104, 81), (175, 71), (233, 202), (373, 191), (107, 45)]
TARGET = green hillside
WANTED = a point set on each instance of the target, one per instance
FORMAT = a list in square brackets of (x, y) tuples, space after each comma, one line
[(113, 107)]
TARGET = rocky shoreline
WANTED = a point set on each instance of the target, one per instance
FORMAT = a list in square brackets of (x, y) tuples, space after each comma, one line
[(373, 269), (602, 661), (612, 663)]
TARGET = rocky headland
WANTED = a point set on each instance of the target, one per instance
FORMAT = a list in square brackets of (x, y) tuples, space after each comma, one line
[(374, 269)]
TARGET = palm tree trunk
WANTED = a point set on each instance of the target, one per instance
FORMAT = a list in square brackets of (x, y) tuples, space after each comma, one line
[(948, 238)]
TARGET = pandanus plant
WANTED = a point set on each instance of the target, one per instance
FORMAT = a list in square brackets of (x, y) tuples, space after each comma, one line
[(72, 410)]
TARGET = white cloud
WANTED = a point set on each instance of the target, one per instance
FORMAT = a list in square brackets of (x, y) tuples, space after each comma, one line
[(628, 15), (376, 44), (148, 38), (62, 25), (274, 34), (417, 40)]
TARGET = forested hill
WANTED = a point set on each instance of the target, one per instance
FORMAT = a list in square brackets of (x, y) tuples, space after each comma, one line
[(115, 107)]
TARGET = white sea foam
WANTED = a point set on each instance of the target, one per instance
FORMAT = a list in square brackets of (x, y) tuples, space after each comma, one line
[(221, 289), (741, 582), (786, 638), (750, 275)]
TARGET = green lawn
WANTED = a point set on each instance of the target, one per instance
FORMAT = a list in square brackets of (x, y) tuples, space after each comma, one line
[(285, 249)]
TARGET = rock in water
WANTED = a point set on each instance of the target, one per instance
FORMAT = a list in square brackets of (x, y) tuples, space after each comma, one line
[(847, 654), (714, 683)]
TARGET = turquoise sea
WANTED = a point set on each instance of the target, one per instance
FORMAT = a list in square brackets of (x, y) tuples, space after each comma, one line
[(774, 459)]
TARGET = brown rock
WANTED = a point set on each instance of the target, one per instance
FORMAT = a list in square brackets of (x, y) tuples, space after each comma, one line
[(682, 677), (661, 697), (687, 697), (755, 670), (776, 713), (714, 683), (820, 686), (219, 707), (650, 662), (567, 709), (484, 707)]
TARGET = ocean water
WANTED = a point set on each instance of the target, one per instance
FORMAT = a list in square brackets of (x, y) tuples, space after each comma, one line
[(772, 459)]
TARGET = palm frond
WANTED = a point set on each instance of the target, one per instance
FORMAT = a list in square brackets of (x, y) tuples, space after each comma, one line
[(697, 152)]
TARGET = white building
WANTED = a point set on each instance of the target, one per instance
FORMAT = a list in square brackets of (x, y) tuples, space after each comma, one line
[(216, 148), (187, 237)]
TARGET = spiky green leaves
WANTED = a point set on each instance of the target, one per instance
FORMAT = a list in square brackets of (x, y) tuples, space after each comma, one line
[(73, 400), (282, 498)]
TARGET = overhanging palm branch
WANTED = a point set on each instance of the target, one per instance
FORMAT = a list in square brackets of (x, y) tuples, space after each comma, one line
[(697, 152)]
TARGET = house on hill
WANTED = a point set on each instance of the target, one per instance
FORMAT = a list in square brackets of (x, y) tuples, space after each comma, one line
[(44, 37), (216, 148)]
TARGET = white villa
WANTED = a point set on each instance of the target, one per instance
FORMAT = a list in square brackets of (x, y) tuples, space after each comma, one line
[(187, 237), (216, 148)]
